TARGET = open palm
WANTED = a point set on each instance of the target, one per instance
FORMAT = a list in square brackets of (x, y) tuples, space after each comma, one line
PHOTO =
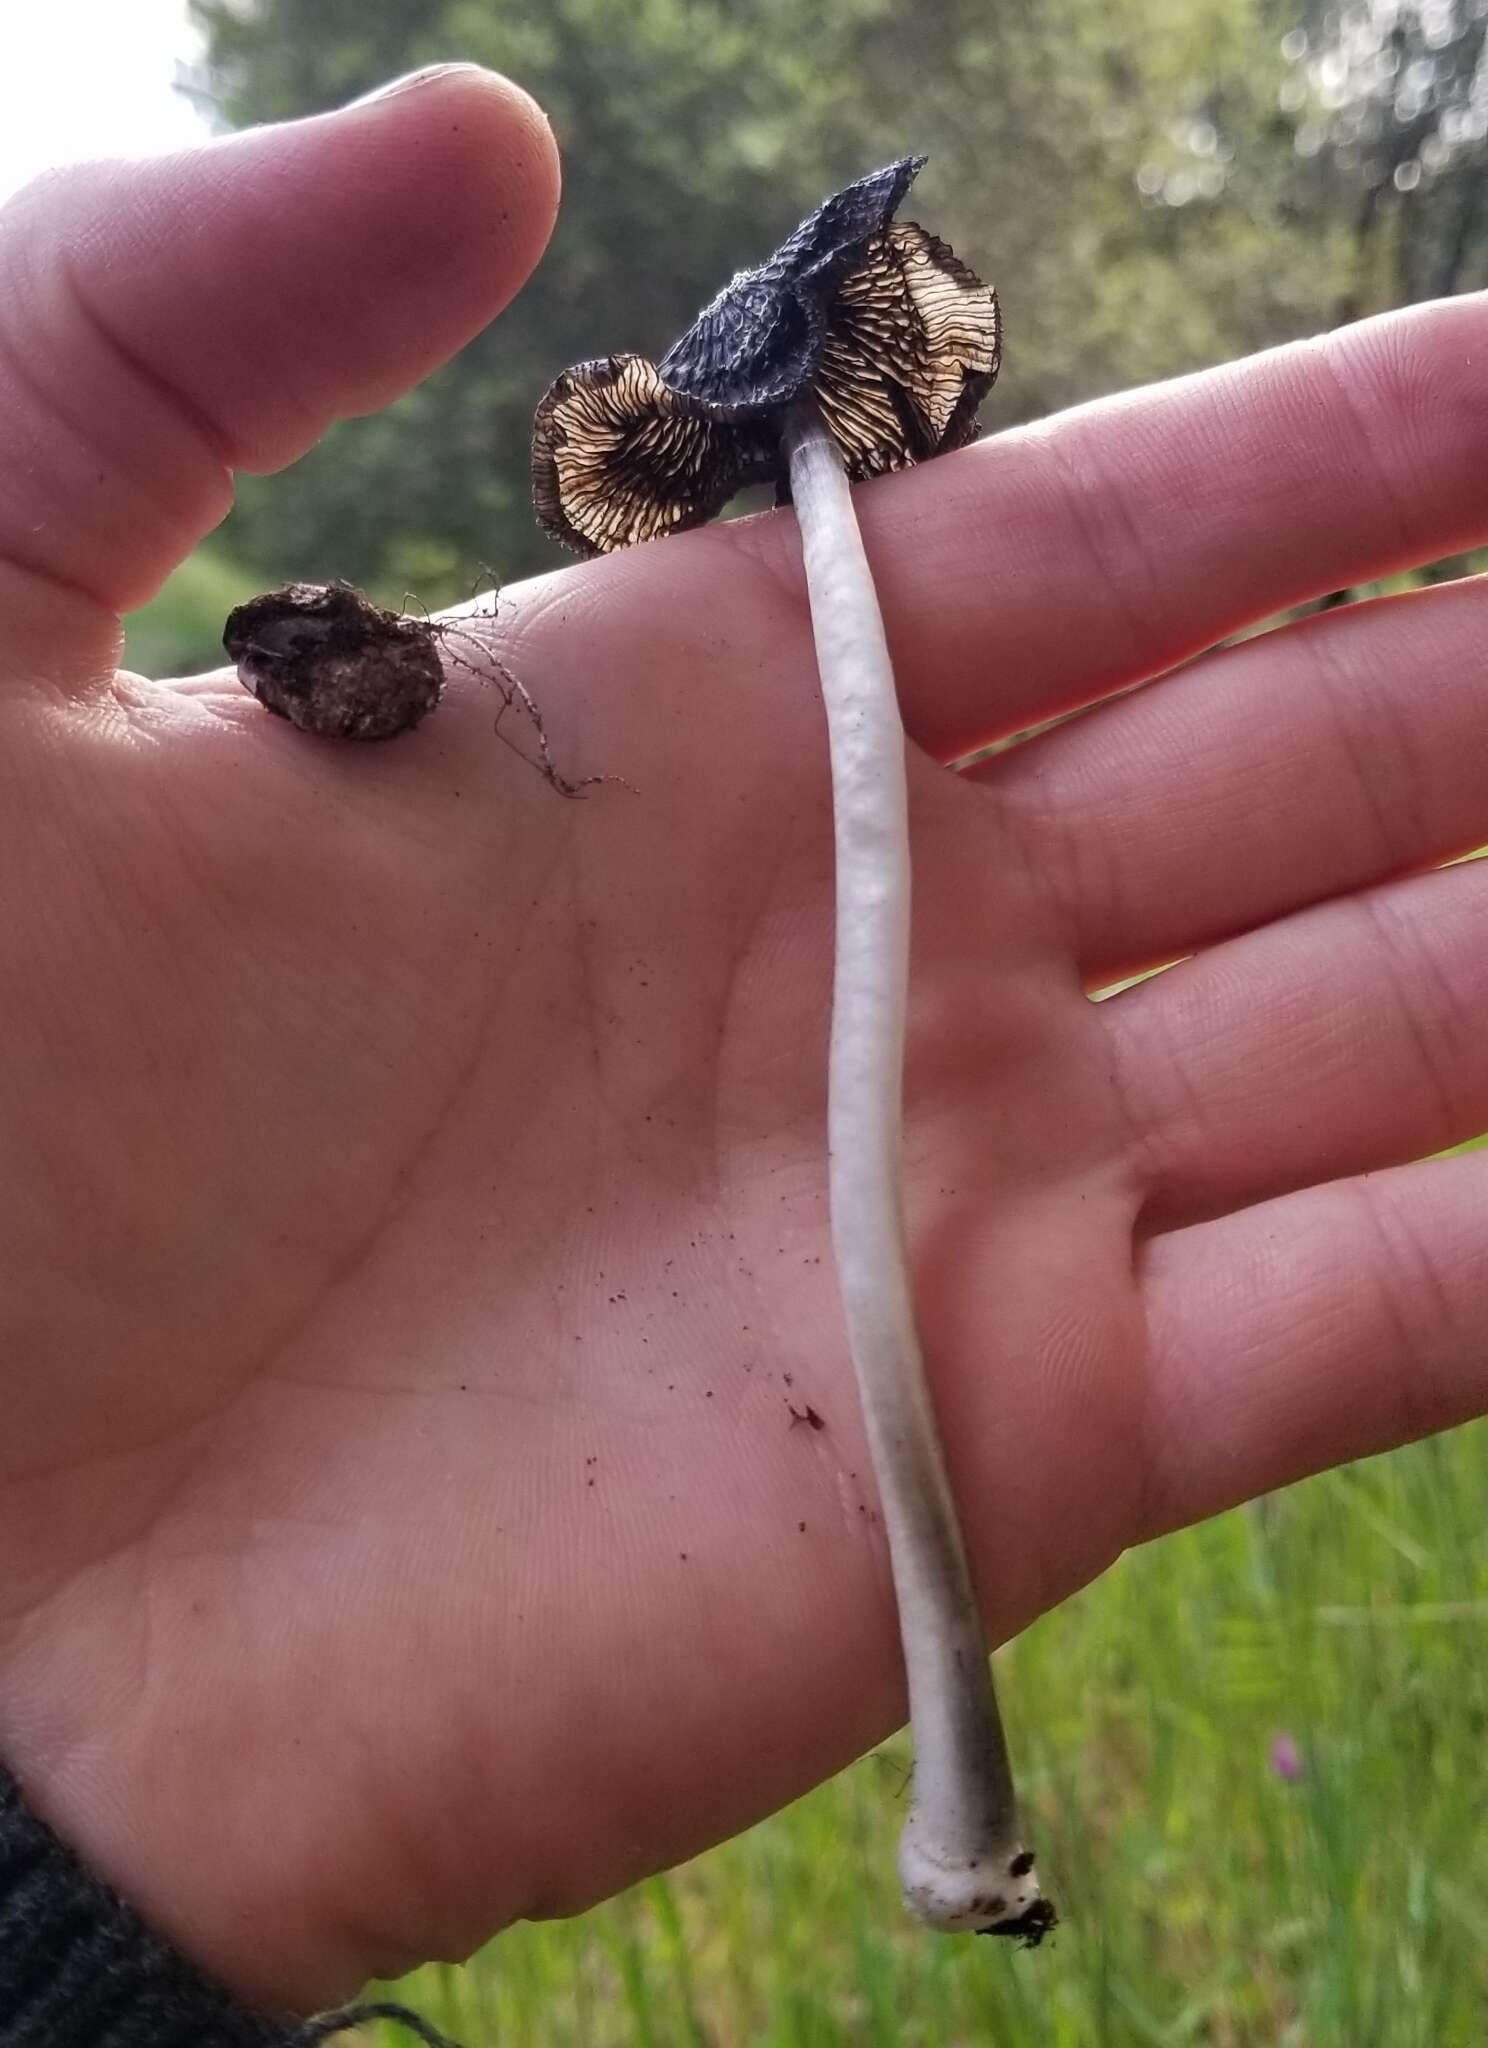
[(432, 1489)]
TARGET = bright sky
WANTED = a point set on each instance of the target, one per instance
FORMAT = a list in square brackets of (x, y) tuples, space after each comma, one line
[(91, 78)]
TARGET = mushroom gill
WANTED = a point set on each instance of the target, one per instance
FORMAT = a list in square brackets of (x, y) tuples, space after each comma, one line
[(876, 320)]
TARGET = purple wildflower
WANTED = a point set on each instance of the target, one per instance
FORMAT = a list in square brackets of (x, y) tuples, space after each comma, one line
[(1286, 1759)]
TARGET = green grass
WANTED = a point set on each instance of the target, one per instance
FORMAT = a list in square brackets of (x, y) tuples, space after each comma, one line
[(1206, 1900)]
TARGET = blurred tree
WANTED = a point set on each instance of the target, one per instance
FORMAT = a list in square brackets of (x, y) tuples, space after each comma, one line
[(1393, 96), (1126, 173)]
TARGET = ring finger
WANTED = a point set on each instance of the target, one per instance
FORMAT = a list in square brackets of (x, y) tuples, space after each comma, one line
[(1342, 1039), (1315, 759)]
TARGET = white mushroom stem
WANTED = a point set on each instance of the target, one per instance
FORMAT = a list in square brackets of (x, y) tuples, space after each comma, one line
[(961, 1862)]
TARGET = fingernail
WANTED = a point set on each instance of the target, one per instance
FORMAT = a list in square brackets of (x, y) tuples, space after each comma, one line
[(430, 75)]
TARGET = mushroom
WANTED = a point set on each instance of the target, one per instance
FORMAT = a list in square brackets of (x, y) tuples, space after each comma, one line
[(862, 345), (326, 658)]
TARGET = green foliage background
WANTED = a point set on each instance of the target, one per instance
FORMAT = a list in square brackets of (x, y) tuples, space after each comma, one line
[(1154, 185), (696, 132)]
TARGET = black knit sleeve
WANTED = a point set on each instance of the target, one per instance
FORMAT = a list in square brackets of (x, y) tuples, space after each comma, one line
[(79, 1968)]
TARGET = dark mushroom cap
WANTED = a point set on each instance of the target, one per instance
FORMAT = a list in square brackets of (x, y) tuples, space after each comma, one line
[(878, 322)]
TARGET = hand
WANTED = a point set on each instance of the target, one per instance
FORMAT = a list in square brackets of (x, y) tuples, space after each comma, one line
[(413, 1224)]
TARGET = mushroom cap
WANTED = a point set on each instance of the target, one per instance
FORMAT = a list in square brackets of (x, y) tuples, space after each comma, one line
[(333, 663), (876, 320)]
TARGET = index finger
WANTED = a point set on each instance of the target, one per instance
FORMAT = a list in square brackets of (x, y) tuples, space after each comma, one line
[(1062, 561)]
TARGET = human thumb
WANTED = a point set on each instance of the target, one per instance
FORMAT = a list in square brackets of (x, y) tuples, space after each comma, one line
[(165, 323)]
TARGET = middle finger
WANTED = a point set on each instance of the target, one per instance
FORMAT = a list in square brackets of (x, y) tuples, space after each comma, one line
[(1314, 759)]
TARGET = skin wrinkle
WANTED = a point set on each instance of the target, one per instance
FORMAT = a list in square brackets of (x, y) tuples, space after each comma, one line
[(1131, 1032), (207, 911), (582, 953), (1373, 909), (1037, 1574), (1151, 1427), (145, 1051), (1090, 876), (227, 449), (127, 1563), (1191, 1441), (1037, 456), (1011, 835), (412, 1847), (84, 1459), (1365, 438), (714, 1086), (183, 1608), (1160, 1435), (1411, 1416), (1329, 657), (764, 903), (1137, 1153), (1047, 1589), (16, 1617), (204, 442), (745, 914), (48, 406), (1397, 739), (14, 556), (1029, 445), (1083, 515), (340, 1277), (1025, 805), (39, 623), (1183, 1190), (614, 1101), (1427, 1270)]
